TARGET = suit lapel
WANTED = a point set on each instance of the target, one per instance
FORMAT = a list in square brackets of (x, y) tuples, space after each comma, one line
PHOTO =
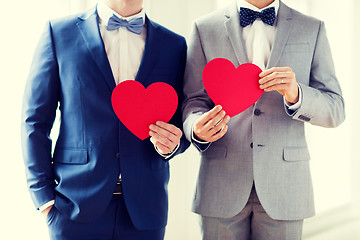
[(234, 31), (151, 51), (283, 28), (89, 29)]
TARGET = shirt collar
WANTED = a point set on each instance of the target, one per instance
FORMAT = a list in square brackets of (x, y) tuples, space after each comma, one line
[(105, 12), (245, 4)]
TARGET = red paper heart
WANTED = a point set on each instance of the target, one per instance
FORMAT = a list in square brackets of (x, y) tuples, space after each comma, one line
[(137, 107), (235, 89)]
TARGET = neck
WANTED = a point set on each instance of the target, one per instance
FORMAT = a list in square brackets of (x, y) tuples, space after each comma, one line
[(125, 8), (260, 3)]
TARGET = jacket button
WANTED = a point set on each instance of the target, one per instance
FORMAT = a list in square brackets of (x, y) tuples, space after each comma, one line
[(251, 145), (117, 155), (257, 112)]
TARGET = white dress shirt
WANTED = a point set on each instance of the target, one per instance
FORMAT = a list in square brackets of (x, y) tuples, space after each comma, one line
[(123, 48), (258, 36)]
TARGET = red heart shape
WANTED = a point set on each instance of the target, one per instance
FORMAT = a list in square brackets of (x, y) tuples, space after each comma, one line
[(137, 107), (235, 89)]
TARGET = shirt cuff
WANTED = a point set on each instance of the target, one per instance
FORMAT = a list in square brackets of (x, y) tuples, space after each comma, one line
[(297, 105), (169, 155), (201, 145), (196, 140), (46, 205)]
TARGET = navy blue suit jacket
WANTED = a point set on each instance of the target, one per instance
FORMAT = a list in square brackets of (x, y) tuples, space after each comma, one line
[(71, 71)]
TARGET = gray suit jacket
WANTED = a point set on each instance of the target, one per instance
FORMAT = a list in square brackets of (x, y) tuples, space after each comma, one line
[(267, 146)]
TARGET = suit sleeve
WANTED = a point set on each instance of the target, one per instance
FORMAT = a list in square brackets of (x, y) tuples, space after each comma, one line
[(177, 119), (322, 101), (38, 114), (196, 100)]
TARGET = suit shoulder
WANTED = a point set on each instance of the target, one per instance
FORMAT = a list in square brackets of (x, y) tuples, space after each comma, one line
[(303, 18), (167, 32), (215, 17), (169, 35), (71, 20)]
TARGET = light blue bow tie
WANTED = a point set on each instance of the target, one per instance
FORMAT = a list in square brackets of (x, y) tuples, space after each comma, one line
[(135, 25)]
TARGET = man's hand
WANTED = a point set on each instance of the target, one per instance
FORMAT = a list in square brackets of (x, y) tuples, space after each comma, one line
[(211, 126), (46, 211), (281, 79), (165, 136)]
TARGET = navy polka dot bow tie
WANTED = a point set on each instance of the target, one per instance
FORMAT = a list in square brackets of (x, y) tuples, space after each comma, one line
[(135, 25), (248, 16)]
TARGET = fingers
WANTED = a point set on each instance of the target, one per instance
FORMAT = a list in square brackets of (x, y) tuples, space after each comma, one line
[(218, 134), (214, 126), (167, 130), (165, 136), (276, 77), (163, 149), (211, 126), (273, 70), (281, 79), (209, 115), (46, 211)]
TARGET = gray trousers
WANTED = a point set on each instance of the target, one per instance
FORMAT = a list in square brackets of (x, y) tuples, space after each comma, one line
[(252, 223)]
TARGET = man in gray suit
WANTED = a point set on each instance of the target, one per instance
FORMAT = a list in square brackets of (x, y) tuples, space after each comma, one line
[(254, 181)]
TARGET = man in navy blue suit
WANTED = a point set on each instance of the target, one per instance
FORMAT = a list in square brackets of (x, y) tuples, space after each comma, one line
[(101, 181)]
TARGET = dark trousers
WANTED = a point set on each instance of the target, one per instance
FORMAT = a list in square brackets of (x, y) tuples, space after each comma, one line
[(115, 224)]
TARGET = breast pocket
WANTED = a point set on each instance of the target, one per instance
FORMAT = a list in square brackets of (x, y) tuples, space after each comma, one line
[(298, 57)]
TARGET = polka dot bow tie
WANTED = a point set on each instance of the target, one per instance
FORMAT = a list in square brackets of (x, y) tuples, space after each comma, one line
[(135, 25), (248, 16)]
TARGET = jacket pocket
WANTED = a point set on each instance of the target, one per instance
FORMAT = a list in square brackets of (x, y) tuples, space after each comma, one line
[(71, 156), (294, 154)]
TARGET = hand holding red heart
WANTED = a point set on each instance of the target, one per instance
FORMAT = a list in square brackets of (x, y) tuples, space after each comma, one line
[(137, 107), (145, 112), (234, 88), (211, 126), (164, 136), (281, 79)]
